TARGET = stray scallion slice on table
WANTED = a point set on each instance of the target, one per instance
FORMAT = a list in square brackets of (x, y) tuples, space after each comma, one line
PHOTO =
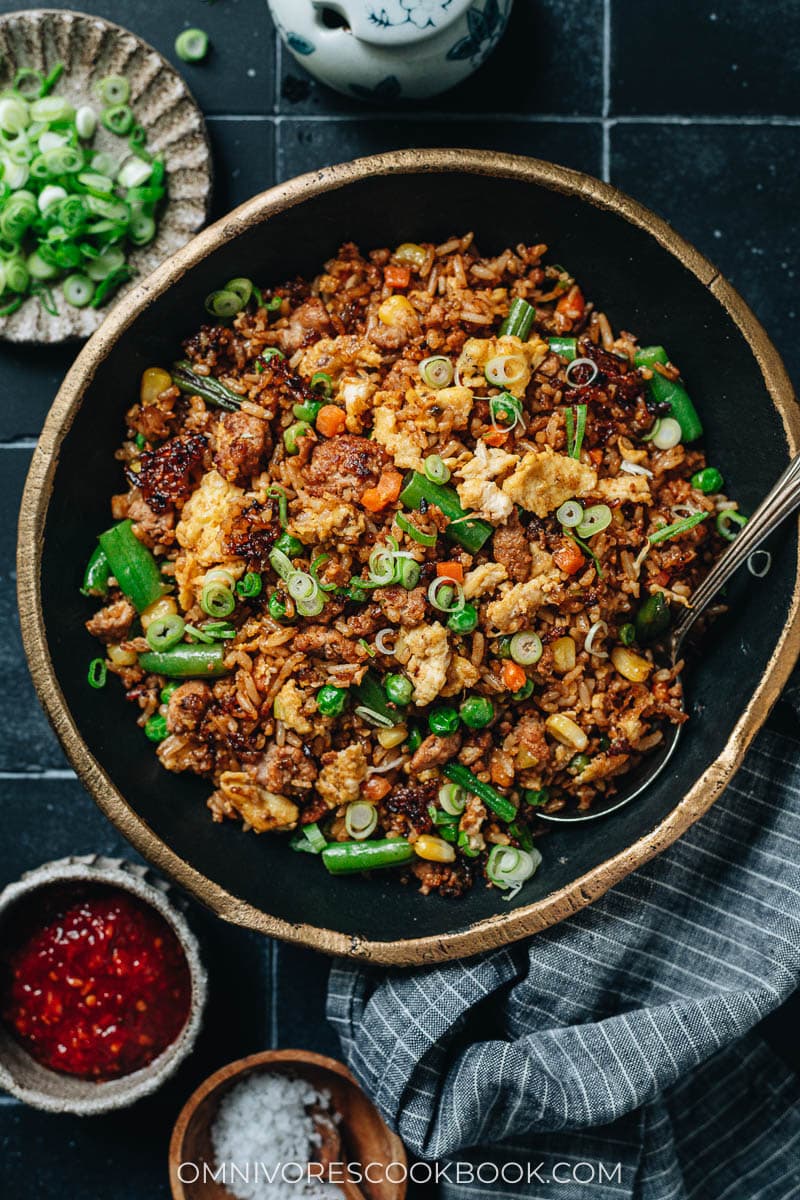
[(191, 45)]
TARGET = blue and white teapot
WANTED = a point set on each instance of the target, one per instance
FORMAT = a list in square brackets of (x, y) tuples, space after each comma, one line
[(387, 50)]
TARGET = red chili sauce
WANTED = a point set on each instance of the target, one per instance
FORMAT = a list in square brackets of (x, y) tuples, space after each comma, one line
[(97, 987)]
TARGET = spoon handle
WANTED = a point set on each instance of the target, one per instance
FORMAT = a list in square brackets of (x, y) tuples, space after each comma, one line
[(777, 505)]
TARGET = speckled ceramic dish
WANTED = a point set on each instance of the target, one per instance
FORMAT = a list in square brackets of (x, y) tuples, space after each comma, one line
[(42, 1088), (648, 279), (91, 48)]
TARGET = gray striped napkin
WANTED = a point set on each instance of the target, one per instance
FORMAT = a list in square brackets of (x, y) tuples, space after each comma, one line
[(615, 1054)]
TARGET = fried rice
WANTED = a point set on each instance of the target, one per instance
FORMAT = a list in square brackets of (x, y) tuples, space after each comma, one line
[(405, 639)]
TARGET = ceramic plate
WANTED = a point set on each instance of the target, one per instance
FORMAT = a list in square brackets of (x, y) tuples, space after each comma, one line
[(91, 48)]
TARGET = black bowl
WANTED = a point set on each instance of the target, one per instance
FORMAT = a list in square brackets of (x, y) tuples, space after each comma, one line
[(648, 280)]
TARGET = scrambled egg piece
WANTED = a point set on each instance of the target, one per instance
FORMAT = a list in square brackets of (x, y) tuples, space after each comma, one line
[(325, 518), (484, 579), (356, 395), (340, 780), (337, 355), (401, 422), (477, 489), (544, 480), (266, 812), (460, 674), (478, 352), (199, 534), (519, 603), (425, 653), (289, 708), (635, 488)]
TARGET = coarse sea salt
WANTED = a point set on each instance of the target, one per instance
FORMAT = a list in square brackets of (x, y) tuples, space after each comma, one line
[(263, 1136)]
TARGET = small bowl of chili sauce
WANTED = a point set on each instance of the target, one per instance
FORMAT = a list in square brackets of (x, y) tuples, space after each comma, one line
[(101, 986)]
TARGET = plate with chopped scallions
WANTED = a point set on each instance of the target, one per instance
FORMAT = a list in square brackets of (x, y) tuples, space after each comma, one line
[(105, 170)]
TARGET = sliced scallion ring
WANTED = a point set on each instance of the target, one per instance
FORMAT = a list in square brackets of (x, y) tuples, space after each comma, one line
[(436, 371), (668, 434), (595, 519), (505, 370), (85, 122), (78, 290), (113, 89), (360, 820), (424, 539), (134, 173), (508, 867), (526, 648), (302, 586), (191, 45), (436, 469), (446, 594), (224, 303), (453, 799), (726, 520), (570, 514), (574, 372)]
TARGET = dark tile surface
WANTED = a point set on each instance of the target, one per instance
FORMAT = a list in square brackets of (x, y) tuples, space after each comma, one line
[(710, 56), (533, 72), (305, 144), (238, 76), (732, 190), (731, 187), (27, 742)]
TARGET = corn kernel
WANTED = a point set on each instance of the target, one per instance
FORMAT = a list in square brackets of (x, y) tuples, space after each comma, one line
[(120, 657), (392, 737), (631, 666), (397, 310), (564, 730), (411, 254), (434, 849), (564, 654), (164, 607), (525, 760), (155, 380)]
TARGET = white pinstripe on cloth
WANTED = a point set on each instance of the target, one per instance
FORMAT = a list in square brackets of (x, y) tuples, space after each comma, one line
[(623, 1035)]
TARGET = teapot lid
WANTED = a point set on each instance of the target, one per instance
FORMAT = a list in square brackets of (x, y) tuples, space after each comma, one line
[(396, 22)]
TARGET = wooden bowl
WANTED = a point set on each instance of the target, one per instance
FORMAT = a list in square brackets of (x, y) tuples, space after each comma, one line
[(366, 1138)]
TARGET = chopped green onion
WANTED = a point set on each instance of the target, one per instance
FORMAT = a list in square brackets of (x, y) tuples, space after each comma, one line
[(360, 820), (587, 550), (165, 632), (436, 371), (505, 411), (191, 45), (437, 471), (575, 420), (322, 383), (292, 435), (217, 600), (446, 594), (85, 122), (667, 532), (453, 799), (224, 304), (424, 539), (98, 672), (316, 566), (627, 634), (519, 320), (508, 867), (118, 119), (594, 520), (78, 290), (570, 514), (504, 370), (526, 648), (668, 434), (724, 523), (249, 586), (134, 173), (113, 89)]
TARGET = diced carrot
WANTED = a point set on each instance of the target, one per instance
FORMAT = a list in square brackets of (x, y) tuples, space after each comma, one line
[(568, 557), (330, 420), (513, 675), (662, 578), (387, 490), (450, 570), (572, 305), (596, 456), (397, 277), (495, 437)]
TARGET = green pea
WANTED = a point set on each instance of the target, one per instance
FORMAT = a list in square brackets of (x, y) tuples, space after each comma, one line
[(708, 481), (476, 711), (331, 701), (414, 740), (167, 691), (443, 720), (465, 620), (525, 691), (309, 411), (156, 728), (398, 689), (291, 546), (536, 797)]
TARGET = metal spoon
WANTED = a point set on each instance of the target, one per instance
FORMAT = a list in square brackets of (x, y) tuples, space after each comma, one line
[(776, 506)]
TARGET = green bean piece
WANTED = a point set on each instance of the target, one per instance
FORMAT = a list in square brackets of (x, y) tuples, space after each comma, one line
[(469, 532), (653, 618), (96, 575), (185, 661), (671, 392), (134, 567), (564, 347), (519, 320), (493, 799), (206, 387), (345, 858)]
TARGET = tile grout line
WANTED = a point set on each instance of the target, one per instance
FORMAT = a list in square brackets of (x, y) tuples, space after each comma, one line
[(22, 443), (777, 121), (605, 153), (47, 773)]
